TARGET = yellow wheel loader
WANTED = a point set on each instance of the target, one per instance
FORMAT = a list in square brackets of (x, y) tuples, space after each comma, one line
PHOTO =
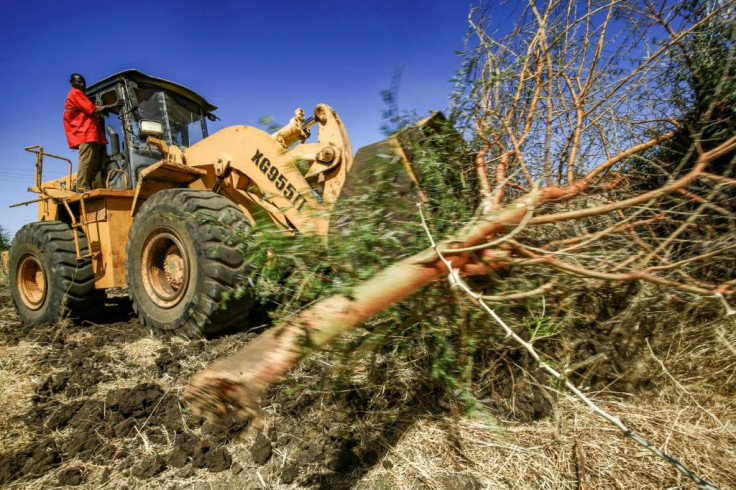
[(171, 200)]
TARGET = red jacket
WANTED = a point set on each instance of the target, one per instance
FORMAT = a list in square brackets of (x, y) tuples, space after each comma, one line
[(80, 123)]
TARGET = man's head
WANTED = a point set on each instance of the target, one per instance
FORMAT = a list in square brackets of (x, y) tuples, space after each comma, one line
[(78, 81)]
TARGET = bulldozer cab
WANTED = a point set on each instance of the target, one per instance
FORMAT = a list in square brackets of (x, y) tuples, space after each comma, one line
[(151, 107)]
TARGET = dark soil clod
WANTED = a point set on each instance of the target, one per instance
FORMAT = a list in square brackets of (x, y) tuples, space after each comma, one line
[(261, 449)]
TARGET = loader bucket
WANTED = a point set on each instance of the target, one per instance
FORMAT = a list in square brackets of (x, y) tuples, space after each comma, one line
[(402, 149)]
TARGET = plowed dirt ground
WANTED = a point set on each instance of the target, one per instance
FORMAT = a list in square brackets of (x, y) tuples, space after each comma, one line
[(99, 405)]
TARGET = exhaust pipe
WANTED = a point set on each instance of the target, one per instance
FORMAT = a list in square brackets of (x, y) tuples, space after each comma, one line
[(114, 141)]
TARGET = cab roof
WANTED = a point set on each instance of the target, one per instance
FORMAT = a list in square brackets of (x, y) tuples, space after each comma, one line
[(140, 77)]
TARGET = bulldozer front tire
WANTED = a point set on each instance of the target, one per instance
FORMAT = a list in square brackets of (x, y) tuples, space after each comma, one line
[(47, 283), (182, 255)]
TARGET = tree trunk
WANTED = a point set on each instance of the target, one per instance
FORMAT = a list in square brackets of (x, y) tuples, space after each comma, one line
[(241, 378)]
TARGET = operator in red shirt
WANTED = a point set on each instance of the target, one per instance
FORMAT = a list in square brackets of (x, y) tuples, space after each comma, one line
[(83, 127)]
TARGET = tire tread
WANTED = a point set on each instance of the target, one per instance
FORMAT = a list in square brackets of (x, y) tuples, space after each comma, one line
[(223, 264)]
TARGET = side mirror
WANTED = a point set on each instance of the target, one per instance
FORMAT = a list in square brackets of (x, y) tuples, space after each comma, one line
[(148, 129)]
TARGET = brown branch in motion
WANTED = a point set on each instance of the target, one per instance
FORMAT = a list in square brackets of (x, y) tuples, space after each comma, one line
[(501, 178), (480, 170), (718, 179), (568, 244), (704, 201), (514, 185), (534, 109), (241, 378), (634, 150), (684, 181), (643, 275)]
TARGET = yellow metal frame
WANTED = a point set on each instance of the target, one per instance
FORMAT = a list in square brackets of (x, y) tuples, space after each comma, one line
[(296, 183)]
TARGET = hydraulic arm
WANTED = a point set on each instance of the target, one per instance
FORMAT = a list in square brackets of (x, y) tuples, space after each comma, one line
[(296, 183)]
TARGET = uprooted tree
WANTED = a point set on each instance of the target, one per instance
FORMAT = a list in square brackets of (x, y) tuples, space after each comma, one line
[(603, 148)]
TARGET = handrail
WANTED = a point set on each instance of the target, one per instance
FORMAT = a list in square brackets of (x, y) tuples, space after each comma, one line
[(114, 171), (38, 150)]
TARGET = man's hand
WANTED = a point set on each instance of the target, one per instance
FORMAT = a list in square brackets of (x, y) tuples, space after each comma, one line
[(115, 105), (107, 108)]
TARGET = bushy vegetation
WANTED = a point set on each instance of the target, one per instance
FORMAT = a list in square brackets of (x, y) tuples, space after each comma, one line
[(5, 239), (371, 230)]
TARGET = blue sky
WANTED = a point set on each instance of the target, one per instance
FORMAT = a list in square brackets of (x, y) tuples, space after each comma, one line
[(249, 58)]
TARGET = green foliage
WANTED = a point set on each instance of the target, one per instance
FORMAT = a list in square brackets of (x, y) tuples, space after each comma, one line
[(540, 326), (5, 239), (392, 117), (370, 231), (702, 79), (268, 123)]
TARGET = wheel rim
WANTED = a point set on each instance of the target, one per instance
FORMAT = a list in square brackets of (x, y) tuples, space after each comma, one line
[(31, 281), (164, 268)]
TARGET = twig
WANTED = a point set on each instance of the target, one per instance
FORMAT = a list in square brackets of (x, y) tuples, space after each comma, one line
[(457, 281), (144, 439), (729, 311), (154, 408), (526, 294), (724, 340), (581, 465), (263, 482), (522, 224)]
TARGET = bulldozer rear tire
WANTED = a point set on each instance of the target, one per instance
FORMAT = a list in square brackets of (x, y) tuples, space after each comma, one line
[(183, 253), (47, 283)]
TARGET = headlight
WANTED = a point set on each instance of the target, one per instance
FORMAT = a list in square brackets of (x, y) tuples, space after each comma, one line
[(150, 128)]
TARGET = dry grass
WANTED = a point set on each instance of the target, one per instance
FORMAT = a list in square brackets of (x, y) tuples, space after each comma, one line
[(16, 387), (16, 380), (689, 412), (569, 450)]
